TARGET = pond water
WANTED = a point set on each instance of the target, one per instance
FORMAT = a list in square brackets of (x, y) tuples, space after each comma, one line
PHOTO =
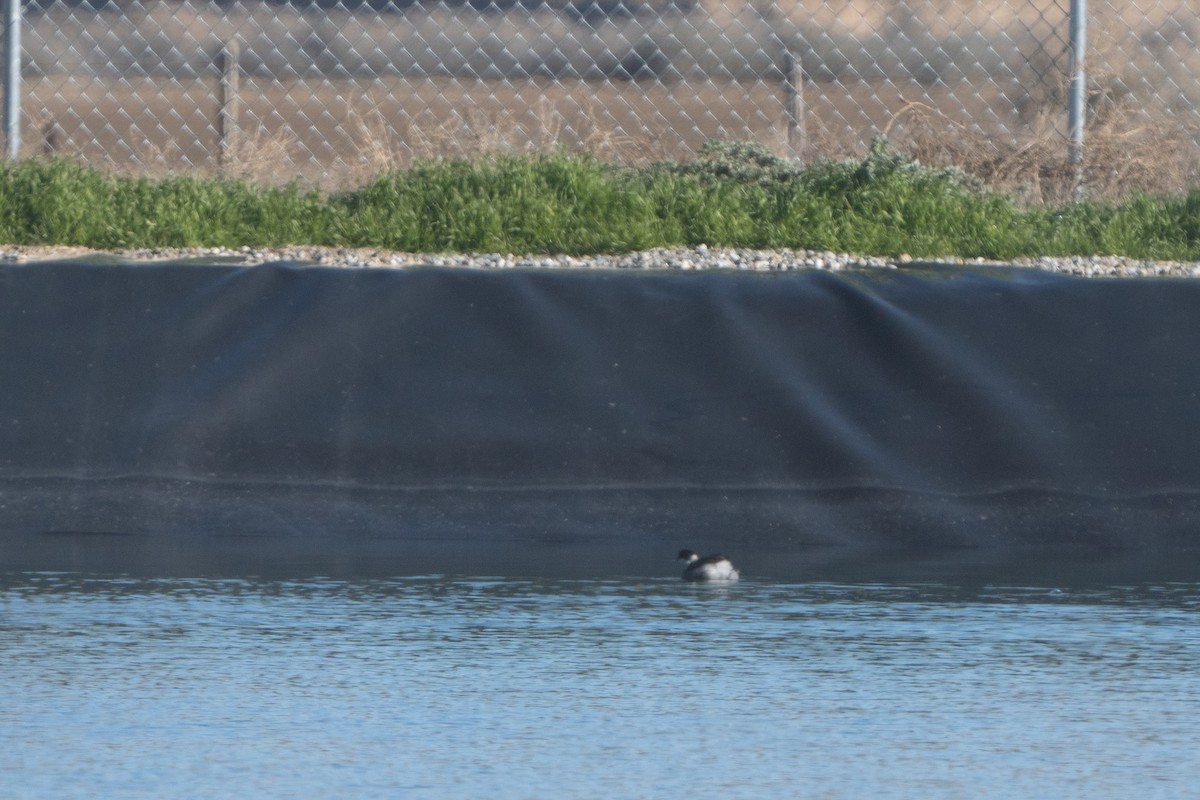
[(443, 686)]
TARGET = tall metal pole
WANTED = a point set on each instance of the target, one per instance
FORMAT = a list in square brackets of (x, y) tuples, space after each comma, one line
[(1077, 108), (12, 77)]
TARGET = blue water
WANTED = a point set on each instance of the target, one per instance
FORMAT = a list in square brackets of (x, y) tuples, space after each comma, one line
[(437, 687)]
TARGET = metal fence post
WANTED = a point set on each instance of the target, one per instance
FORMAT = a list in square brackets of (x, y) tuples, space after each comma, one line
[(12, 77), (1077, 108)]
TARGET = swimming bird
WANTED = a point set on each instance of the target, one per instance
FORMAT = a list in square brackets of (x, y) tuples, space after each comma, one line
[(710, 568)]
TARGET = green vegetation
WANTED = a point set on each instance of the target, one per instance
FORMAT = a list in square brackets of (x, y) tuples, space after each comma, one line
[(732, 195)]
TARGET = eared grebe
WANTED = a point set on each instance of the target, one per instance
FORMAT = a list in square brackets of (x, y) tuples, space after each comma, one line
[(710, 568)]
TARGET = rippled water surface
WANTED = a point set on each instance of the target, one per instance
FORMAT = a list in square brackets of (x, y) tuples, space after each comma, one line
[(451, 687)]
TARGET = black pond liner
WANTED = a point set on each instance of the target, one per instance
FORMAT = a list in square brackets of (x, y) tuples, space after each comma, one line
[(183, 417)]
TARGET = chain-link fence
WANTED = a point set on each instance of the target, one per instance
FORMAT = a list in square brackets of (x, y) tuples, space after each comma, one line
[(335, 91)]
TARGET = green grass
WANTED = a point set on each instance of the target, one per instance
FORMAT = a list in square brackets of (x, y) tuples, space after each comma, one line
[(732, 195)]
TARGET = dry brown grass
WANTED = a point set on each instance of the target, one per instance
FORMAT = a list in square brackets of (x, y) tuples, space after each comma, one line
[(339, 134), (1129, 146), (260, 157)]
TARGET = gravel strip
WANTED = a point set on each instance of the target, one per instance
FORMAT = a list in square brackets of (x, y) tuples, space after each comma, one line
[(697, 258)]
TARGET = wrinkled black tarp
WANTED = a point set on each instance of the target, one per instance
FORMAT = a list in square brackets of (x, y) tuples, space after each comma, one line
[(650, 410)]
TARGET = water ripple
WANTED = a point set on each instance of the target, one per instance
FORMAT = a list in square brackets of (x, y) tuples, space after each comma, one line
[(438, 686)]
